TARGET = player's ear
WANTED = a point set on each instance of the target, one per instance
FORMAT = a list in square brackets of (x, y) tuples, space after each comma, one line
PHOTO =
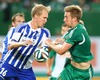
[(13, 24), (36, 16), (74, 19)]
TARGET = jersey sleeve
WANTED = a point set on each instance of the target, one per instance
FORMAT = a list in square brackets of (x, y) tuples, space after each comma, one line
[(48, 34), (10, 34), (18, 33), (45, 36), (7, 40)]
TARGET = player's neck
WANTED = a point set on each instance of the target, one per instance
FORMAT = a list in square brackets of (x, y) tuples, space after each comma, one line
[(33, 25), (74, 24)]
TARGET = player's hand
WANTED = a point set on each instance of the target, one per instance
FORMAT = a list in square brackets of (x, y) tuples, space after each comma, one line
[(49, 73), (59, 41), (48, 41), (27, 42)]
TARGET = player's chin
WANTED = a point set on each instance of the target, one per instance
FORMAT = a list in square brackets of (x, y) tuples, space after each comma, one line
[(41, 26)]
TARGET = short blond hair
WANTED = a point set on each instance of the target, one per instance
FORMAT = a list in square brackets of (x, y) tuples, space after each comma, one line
[(75, 11), (38, 8), (81, 22)]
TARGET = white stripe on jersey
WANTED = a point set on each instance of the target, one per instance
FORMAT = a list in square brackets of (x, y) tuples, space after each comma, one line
[(18, 36), (13, 56), (25, 58), (7, 54), (19, 57)]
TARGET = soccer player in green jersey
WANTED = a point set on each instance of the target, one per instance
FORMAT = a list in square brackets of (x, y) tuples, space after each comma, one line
[(77, 41)]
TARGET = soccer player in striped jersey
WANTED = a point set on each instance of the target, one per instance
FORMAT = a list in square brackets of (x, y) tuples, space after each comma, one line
[(17, 19), (25, 40)]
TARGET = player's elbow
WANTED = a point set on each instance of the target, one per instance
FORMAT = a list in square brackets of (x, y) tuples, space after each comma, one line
[(9, 47)]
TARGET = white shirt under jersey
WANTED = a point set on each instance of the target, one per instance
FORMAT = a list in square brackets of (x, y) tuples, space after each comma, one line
[(59, 65), (22, 57)]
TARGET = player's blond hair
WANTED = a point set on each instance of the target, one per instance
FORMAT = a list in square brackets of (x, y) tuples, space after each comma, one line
[(75, 11), (81, 22), (38, 8)]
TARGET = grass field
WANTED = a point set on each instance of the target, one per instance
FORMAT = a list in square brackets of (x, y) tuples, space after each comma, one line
[(45, 78)]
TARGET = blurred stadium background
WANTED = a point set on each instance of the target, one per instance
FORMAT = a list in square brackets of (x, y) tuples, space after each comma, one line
[(91, 18)]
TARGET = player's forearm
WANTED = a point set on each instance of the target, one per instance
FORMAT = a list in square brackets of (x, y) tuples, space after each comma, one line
[(19, 44), (15, 45), (60, 49), (49, 63), (56, 48)]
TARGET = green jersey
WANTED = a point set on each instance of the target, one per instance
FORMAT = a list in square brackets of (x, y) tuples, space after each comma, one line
[(79, 38), (51, 55)]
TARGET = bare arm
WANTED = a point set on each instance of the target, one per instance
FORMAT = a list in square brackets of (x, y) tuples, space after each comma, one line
[(60, 49), (19, 44), (49, 64)]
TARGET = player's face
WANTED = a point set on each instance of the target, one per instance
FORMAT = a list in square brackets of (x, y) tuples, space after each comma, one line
[(18, 21), (68, 19), (64, 30), (42, 19)]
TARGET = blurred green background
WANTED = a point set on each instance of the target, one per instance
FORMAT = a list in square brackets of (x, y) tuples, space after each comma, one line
[(55, 20), (91, 14)]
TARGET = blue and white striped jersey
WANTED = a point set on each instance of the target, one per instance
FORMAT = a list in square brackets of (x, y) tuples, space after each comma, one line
[(22, 57), (7, 41)]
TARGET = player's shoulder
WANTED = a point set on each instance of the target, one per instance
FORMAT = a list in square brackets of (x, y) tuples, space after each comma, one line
[(12, 28), (78, 28), (46, 31), (21, 26)]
